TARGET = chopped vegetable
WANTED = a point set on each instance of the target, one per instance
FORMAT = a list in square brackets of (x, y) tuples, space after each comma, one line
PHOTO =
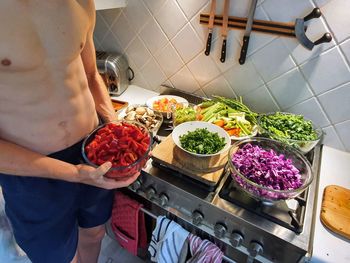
[(120, 144), (266, 168), (202, 141), (288, 126), (164, 104), (182, 115)]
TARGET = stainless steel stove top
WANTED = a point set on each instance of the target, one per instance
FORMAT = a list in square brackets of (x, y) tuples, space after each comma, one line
[(243, 228)]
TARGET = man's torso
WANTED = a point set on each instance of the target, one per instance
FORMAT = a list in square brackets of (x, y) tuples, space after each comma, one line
[(45, 103)]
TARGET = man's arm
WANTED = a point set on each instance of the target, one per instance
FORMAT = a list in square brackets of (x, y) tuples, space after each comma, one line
[(97, 87)]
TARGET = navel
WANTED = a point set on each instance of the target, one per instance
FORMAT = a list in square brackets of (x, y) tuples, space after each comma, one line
[(81, 45), (6, 62)]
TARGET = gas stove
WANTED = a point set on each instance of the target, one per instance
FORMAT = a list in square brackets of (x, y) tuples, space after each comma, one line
[(246, 230)]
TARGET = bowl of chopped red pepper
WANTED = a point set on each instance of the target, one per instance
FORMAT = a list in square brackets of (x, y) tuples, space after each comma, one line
[(269, 170), (125, 144)]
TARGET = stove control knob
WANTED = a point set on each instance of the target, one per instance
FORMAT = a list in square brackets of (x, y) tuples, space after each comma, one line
[(197, 217), (255, 249), (151, 193), (136, 185), (220, 230), (236, 239), (163, 199)]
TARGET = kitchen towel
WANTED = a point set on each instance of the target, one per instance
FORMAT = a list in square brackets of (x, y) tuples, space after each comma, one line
[(203, 251), (128, 223), (168, 240)]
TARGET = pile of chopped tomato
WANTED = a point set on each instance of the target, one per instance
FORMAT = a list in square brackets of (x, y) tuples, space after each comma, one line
[(164, 104), (119, 143)]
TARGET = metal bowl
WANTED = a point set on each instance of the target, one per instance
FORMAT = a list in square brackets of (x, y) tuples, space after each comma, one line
[(266, 194)]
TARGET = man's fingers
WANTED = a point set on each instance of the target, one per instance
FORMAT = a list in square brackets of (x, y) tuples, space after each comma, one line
[(102, 169), (112, 183)]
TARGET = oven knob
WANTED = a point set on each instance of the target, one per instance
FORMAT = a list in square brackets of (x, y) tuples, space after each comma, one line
[(220, 230), (163, 199), (136, 185), (197, 217), (236, 239), (255, 249), (151, 193)]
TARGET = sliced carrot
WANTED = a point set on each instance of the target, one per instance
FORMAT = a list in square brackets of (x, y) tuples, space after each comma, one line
[(219, 123), (234, 132)]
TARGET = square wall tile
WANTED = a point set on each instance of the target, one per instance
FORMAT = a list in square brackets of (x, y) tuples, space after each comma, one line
[(171, 18), (336, 13), (123, 31), (336, 103), (137, 14), (260, 100), (191, 7), (220, 87), (289, 89), (327, 71), (320, 3), (202, 30), (331, 138), (203, 68), (111, 44), (187, 43), (154, 5), (312, 110), (110, 15), (273, 60), (101, 28), (243, 78), (286, 10), (184, 80), (138, 52), (345, 47), (169, 60), (153, 74), (153, 36), (344, 134)]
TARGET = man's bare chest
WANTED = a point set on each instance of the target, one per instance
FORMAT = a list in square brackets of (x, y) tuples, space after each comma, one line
[(34, 33)]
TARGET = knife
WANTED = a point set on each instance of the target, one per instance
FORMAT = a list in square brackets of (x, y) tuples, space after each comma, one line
[(248, 30), (210, 26), (224, 30)]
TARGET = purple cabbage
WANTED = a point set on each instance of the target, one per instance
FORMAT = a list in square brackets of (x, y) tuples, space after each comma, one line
[(266, 168)]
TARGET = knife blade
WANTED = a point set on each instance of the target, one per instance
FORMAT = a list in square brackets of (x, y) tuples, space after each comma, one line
[(224, 30), (248, 30), (210, 26)]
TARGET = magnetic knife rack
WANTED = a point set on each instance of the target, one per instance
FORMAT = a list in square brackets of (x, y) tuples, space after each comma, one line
[(269, 27)]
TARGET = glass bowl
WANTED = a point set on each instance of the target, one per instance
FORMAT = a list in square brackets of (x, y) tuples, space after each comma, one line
[(303, 145), (127, 158), (262, 177)]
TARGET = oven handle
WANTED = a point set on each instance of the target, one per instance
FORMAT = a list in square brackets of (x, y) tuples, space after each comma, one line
[(149, 213)]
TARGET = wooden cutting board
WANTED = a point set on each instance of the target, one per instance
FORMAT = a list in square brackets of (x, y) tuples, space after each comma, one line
[(335, 209), (205, 169)]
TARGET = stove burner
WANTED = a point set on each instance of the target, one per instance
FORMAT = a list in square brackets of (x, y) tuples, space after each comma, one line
[(289, 214)]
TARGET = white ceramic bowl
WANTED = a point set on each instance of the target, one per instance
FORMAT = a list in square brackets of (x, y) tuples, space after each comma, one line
[(186, 127)]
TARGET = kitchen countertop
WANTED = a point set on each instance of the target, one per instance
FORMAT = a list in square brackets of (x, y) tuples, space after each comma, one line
[(334, 170)]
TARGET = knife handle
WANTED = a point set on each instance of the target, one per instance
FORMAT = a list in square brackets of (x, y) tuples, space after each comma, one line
[(223, 51), (244, 50), (207, 48)]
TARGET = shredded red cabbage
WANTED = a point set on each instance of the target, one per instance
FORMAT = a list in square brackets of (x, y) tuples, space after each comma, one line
[(266, 168)]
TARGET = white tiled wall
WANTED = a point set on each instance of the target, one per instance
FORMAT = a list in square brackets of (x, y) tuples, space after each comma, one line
[(164, 43)]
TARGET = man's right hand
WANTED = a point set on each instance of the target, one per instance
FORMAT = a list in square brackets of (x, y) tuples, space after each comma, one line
[(95, 176)]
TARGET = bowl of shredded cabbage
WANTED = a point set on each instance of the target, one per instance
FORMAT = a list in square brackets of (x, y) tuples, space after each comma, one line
[(269, 170)]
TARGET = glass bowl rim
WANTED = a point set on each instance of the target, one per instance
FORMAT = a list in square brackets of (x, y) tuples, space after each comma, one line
[(251, 183), (315, 127), (118, 168)]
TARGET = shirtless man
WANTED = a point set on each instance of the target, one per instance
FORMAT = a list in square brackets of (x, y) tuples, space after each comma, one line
[(50, 91)]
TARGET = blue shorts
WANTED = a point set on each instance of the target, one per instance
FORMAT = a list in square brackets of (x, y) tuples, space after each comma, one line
[(45, 213)]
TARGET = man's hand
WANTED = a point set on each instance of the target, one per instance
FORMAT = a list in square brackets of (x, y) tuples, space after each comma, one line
[(94, 176)]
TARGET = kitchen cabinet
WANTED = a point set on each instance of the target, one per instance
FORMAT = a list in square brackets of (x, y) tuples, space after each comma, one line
[(108, 4)]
